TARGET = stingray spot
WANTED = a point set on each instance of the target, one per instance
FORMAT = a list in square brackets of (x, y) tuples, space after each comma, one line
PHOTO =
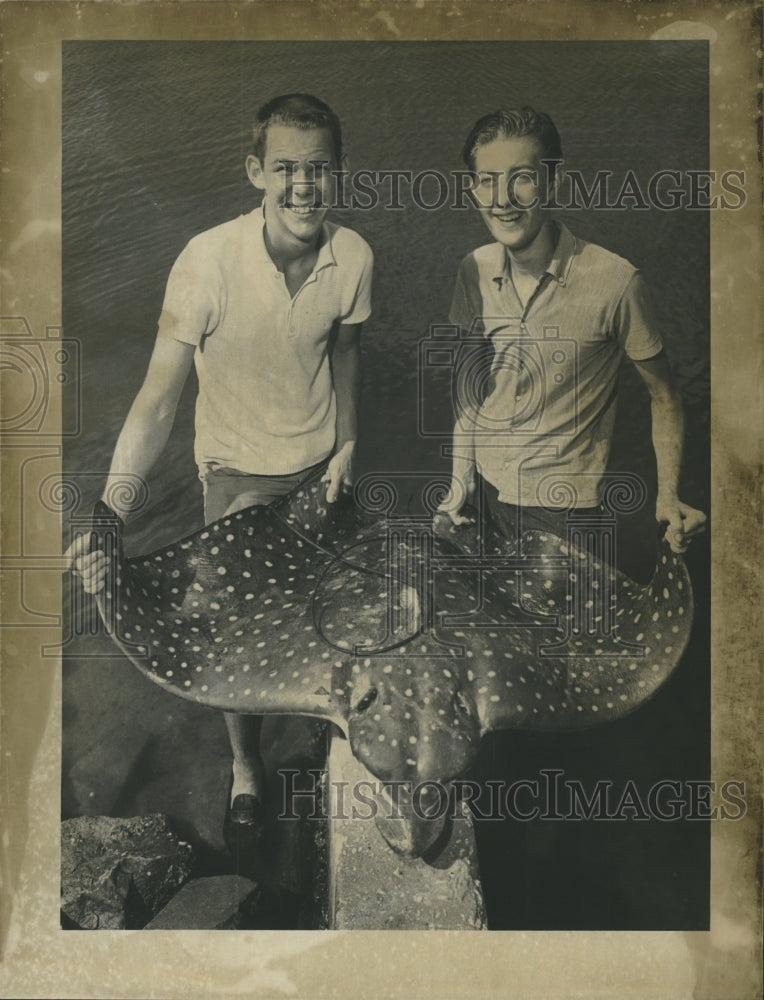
[(221, 570)]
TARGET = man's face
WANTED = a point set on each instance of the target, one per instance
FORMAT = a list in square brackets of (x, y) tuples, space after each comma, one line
[(295, 175), (511, 189)]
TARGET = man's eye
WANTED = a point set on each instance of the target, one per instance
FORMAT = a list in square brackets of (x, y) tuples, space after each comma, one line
[(524, 177)]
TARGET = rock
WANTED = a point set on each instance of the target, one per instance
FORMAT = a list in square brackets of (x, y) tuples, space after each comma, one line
[(118, 873), (223, 902)]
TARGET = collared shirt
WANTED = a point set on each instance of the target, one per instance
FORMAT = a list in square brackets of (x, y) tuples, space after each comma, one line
[(266, 402), (543, 431)]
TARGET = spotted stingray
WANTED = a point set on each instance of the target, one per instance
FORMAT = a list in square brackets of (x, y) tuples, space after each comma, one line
[(414, 644)]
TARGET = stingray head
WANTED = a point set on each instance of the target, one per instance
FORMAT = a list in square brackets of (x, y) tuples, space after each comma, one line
[(412, 725), (415, 729)]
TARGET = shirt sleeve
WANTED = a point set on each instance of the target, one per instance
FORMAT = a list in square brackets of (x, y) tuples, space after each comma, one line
[(191, 307), (361, 307), (634, 325), (465, 311)]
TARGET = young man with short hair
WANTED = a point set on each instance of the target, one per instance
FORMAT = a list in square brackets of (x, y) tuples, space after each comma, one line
[(269, 308), (559, 314)]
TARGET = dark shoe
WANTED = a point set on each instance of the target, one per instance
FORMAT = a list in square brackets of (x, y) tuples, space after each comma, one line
[(246, 809), (243, 831)]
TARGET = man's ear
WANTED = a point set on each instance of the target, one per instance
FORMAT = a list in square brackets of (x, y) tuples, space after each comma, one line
[(255, 172)]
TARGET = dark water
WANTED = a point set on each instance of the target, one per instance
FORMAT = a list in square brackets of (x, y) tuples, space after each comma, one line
[(155, 136)]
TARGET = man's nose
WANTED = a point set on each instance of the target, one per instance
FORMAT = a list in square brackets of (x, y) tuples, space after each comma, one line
[(502, 197), (304, 177)]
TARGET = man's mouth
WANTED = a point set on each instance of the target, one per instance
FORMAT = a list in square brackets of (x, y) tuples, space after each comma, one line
[(507, 217), (303, 210)]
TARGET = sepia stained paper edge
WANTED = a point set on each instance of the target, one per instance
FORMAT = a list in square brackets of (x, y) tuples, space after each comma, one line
[(41, 960)]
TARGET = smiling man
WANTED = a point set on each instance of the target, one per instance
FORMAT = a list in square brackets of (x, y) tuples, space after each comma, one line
[(556, 316), (269, 308)]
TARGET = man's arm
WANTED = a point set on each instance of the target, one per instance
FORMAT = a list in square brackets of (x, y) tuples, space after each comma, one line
[(476, 359), (346, 375), (141, 441), (668, 433), (462, 486), (465, 312)]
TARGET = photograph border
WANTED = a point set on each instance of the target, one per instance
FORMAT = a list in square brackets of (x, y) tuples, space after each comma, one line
[(38, 959)]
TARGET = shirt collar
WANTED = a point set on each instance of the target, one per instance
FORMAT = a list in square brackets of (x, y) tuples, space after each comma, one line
[(558, 267), (325, 257)]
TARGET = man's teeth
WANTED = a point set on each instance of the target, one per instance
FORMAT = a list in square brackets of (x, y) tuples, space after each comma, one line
[(300, 209)]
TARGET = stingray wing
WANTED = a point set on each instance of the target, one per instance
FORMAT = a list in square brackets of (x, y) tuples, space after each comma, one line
[(565, 642), (231, 616)]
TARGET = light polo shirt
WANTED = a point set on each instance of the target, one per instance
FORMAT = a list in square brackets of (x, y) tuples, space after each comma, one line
[(266, 402), (542, 435)]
